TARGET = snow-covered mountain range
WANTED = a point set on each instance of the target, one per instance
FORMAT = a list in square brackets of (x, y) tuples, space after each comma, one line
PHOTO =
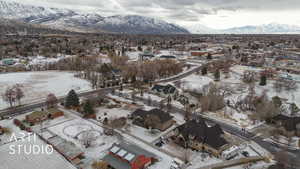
[(74, 20), (66, 19), (272, 28)]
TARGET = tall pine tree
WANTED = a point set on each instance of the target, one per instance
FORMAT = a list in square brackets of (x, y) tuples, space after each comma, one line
[(263, 80), (204, 70), (217, 75), (88, 108), (72, 99)]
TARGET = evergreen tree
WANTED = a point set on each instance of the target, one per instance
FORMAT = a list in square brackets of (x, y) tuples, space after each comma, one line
[(294, 108), (217, 75), (277, 101), (263, 80), (72, 99), (204, 71), (88, 108), (121, 87), (140, 48)]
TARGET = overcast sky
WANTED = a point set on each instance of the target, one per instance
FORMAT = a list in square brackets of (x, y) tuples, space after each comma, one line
[(217, 14)]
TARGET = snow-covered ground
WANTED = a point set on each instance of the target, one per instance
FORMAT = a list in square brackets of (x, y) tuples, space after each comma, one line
[(292, 96), (151, 97), (240, 69), (41, 60), (74, 127), (133, 56), (13, 129), (112, 113), (195, 82), (37, 85), (31, 161)]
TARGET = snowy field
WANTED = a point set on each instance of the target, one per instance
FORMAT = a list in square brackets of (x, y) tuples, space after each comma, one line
[(112, 113), (40, 161), (133, 56), (37, 85), (74, 127), (292, 96), (241, 69), (195, 82)]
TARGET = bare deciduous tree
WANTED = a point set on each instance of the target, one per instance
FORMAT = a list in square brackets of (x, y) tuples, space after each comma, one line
[(51, 100), (249, 76), (19, 93), (9, 96), (212, 100), (13, 94)]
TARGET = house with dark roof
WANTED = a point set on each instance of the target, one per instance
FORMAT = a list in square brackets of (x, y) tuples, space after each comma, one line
[(291, 125), (155, 118), (165, 90), (167, 57), (128, 156), (197, 135)]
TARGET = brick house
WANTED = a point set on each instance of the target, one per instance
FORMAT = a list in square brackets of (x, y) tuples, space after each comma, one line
[(39, 116), (159, 119), (36, 117), (55, 113)]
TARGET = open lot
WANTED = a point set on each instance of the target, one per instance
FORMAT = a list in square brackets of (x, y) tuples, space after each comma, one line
[(37, 85)]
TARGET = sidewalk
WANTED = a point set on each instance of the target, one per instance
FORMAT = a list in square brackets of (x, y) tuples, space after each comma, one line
[(232, 163)]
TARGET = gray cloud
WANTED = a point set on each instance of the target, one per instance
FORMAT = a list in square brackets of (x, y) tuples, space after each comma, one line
[(185, 10)]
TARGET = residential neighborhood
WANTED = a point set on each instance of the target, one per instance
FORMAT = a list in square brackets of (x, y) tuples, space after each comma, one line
[(83, 97)]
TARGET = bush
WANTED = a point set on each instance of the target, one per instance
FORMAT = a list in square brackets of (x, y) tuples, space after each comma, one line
[(263, 81), (22, 127), (6, 130), (17, 122)]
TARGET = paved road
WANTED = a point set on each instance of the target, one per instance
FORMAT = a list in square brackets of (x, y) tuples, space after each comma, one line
[(180, 76)]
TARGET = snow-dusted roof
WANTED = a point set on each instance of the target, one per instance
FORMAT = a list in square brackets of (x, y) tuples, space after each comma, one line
[(129, 156)]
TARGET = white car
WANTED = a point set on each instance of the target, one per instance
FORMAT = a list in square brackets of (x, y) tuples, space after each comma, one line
[(176, 164)]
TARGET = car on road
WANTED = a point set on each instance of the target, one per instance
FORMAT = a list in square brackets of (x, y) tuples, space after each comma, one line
[(245, 153), (176, 164)]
